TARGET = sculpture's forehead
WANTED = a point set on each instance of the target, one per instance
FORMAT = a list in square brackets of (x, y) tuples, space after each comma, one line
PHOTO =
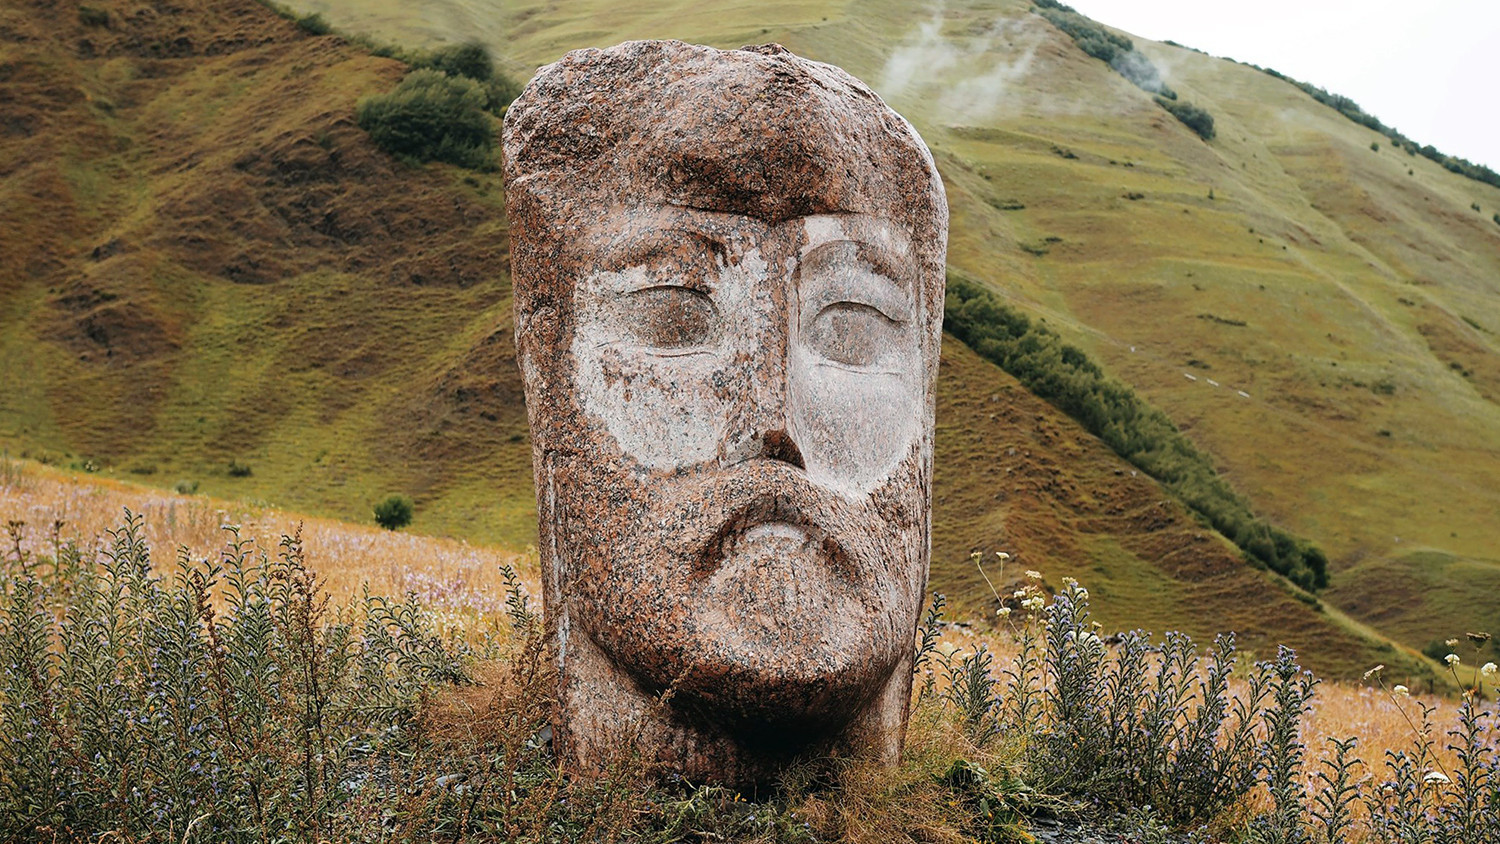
[(757, 132)]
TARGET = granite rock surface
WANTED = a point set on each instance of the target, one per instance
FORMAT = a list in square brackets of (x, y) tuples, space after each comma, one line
[(728, 271)]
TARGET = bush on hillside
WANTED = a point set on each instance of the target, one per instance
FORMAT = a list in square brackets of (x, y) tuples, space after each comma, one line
[(431, 116), (394, 511), (1191, 116), (1064, 376), (471, 60)]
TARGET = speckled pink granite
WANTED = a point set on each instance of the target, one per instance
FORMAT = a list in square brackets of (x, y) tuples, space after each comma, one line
[(728, 271)]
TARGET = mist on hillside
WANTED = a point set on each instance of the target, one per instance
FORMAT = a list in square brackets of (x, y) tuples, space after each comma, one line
[(1008, 46)]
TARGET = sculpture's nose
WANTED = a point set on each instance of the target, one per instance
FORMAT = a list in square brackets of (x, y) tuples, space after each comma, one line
[(778, 445), (767, 444), (765, 430)]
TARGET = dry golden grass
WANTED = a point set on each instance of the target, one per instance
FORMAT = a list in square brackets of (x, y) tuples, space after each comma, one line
[(459, 582), (463, 587)]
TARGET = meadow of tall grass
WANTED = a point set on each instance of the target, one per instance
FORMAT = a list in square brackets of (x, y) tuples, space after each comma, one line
[(166, 675)]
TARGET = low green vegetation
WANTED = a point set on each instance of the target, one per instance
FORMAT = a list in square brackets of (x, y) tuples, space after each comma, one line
[(470, 60), (227, 700), (438, 111), (432, 116), (313, 24), (1191, 116), (1064, 376), (394, 512), (1350, 109)]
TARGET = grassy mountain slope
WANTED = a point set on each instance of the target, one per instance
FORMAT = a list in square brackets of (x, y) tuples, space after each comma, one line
[(1350, 292), (204, 263)]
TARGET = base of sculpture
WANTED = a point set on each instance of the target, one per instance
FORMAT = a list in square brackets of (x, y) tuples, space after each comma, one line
[(605, 718)]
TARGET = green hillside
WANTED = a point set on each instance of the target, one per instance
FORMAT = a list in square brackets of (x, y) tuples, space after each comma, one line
[(206, 268)]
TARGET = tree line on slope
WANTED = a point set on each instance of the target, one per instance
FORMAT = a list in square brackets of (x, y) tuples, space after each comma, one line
[(1119, 53), (1350, 109), (1064, 376)]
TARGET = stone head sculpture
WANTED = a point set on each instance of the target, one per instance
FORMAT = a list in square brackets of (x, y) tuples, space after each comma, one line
[(728, 271)]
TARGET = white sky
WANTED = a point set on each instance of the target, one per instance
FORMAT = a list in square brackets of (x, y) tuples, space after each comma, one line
[(1430, 68)]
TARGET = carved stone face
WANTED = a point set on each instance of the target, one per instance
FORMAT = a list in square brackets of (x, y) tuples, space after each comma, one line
[(728, 271)]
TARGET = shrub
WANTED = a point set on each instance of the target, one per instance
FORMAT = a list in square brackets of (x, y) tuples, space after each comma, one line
[(432, 117), (501, 91), (1191, 116), (1064, 376), (185, 487), (1496, 217), (314, 24), (239, 470), (470, 59), (394, 511)]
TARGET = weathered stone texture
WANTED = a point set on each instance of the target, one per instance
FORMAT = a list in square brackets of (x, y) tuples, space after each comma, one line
[(728, 269)]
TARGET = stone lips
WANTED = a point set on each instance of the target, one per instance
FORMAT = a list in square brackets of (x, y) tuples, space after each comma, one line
[(706, 534)]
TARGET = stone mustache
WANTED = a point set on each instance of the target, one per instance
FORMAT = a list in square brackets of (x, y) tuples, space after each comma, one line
[(728, 271)]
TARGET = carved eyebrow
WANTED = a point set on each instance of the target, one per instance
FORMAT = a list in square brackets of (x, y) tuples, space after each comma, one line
[(887, 263), (630, 249)]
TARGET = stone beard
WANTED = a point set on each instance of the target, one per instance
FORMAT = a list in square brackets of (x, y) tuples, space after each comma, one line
[(728, 271)]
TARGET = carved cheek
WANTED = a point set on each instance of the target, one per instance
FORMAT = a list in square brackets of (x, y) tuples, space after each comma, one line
[(660, 370), (855, 427)]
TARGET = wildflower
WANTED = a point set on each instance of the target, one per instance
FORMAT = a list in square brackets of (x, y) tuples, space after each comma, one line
[(1434, 777), (1002, 556), (1373, 671), (1452, 643), (1005, 611), (1035, 603), (1478, 638), (1070, 582), (1018, 594), (1451, 659), (1401, 691), (1033, 574), (1489, 671)]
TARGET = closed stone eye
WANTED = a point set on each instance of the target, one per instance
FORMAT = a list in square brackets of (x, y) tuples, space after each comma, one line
[(852, 333), (670, 317)]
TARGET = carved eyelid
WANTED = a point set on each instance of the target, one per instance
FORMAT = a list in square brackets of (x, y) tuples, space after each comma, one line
[(873, 284), (646, 250)]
